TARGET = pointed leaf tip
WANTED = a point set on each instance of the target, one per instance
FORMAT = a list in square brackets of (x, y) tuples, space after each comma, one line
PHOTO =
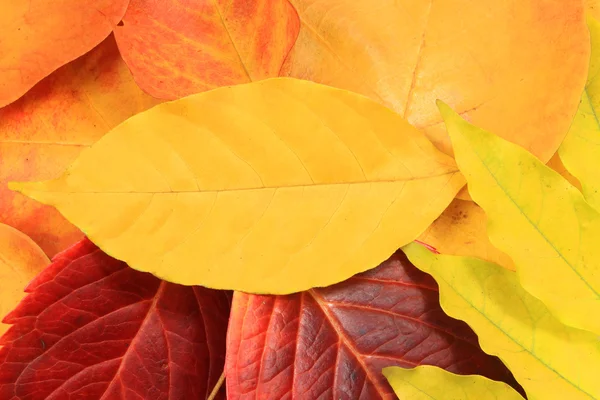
[(214, 199)]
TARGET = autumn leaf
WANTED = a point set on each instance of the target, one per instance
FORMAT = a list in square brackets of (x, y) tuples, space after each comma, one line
[(43, 132), (255, 187), (461, 231), (432, 383), (580, 150), (515, 67), (536, 217), (545, 356), (20, 260), (332, 342), (40, 36), (176, 48), (94, 328)]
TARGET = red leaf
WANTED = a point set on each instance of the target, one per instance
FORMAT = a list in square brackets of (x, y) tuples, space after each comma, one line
[(331, 343), (94, 328)]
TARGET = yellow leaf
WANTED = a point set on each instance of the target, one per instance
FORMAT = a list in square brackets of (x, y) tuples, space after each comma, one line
[(461, 231), (547, 358), (20, 260), (537, 218), (426, 382), (275, 186), (580, 150)]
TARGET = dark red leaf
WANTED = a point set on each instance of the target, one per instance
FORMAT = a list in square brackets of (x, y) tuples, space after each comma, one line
[(332, 343), (93, 328)]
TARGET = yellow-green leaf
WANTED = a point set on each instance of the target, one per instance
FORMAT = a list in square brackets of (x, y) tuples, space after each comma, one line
[(580, 150), (536, 217), (427, 382), (268, 187), (547, 358)]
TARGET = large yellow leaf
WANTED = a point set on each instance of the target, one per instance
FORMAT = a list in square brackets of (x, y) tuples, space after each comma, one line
[(20, 260), (536, 217), (580, 150), (547, 358), (461, 231), (426, 382), (516, 67), (272, 187)]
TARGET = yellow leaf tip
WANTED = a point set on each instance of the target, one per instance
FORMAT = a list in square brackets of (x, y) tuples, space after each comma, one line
[(24, 187)]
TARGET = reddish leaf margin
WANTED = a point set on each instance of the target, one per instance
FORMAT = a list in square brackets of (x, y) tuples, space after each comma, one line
[(331, 343), (93, 328)]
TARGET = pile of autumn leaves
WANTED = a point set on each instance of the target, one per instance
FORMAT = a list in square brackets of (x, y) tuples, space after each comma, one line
[(304, 145)]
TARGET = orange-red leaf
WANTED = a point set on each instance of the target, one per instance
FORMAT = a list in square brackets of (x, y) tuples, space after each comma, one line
[(43, 132), (178, 47), (39, 36), (514, 67), (331, 343), (92, 328)]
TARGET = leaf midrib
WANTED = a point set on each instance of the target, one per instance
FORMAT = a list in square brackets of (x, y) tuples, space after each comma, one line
[(450, 173)]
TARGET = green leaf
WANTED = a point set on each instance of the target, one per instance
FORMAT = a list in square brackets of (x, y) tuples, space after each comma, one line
[(546, 357), (536, 217), (426, 382)]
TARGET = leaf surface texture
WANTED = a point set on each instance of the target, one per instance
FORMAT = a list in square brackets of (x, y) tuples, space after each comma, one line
[(580, 150), (332, 343), (256, 187), (93, 328), (536, 217), (20, 260), (545, 356), (176, 48), (45, 130), (407, 54), (432, 383), (39, 36)]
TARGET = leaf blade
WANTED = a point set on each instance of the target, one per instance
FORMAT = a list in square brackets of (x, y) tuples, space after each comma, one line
[(97, 328), (219, 43), (430, 383), (40, 37), (45, 130), (449, 44), (545, 356), (329, 168), (582, 144), (534, 216), (335, 341)]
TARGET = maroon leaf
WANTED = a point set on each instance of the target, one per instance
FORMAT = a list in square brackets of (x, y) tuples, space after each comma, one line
[(332, 343), (93, 328)]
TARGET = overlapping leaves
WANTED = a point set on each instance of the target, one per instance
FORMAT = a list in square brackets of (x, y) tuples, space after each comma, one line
[(207, 204), (94, 328), (525, 90)]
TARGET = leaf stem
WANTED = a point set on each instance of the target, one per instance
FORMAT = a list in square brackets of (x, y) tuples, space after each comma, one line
[(218, 385)]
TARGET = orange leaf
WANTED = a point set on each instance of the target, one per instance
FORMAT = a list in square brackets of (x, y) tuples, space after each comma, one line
[(37, 37), (43, 132), (461, 231), (514, 67), (20, 260), (176, 48)]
